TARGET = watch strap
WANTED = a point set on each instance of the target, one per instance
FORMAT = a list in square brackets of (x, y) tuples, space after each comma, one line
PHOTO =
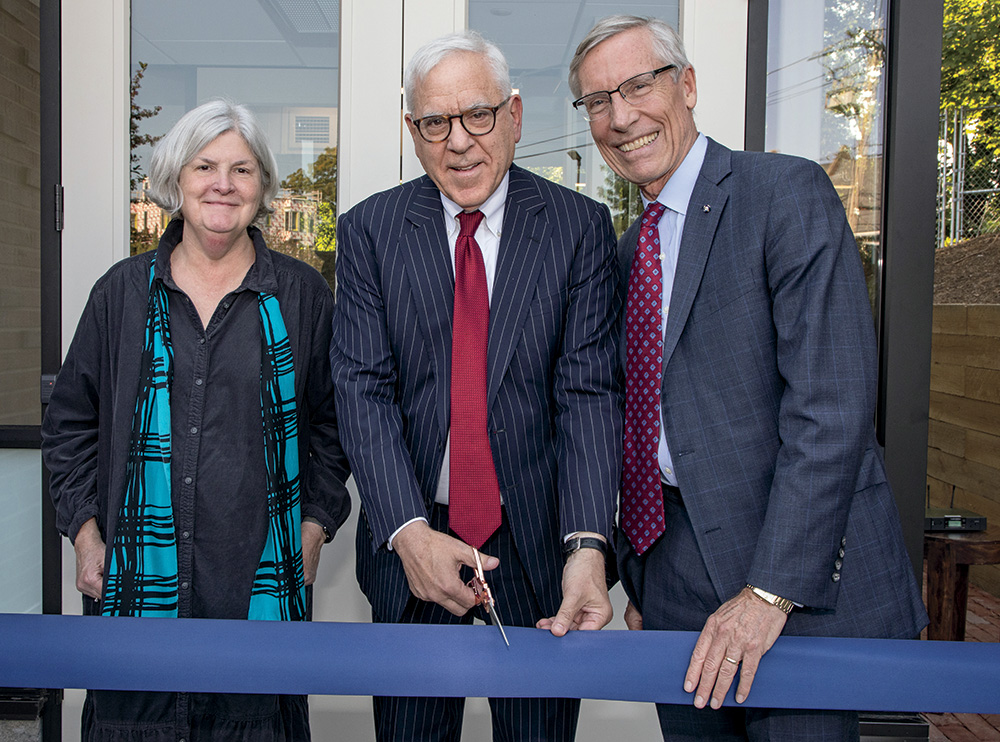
[(573, 545), (783, 604)]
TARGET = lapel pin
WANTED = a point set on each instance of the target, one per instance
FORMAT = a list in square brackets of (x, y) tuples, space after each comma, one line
[(706, 208)]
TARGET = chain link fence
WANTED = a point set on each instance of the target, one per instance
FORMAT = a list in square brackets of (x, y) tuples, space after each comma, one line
[(968, 175)]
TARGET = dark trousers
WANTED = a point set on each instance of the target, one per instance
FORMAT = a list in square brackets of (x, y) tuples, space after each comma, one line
[(672, 589), (426, 719)]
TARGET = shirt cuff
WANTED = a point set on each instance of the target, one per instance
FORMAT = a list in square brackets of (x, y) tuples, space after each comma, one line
[(396, 532)]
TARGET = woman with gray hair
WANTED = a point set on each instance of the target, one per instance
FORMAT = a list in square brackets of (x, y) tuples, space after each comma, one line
[(191, 434)]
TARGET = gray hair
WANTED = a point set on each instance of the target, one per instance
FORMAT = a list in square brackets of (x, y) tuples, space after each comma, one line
[(666, 42), (189, 136), (427, 57)]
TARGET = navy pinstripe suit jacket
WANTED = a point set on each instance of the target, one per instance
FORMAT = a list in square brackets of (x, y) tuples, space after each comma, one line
[(769, 397), (553, 396)]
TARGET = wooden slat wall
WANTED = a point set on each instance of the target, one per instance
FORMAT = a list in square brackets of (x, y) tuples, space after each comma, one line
[(964, 433)]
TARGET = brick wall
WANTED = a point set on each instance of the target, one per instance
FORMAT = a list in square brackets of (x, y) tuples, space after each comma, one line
[(964, 432), (20, 327)]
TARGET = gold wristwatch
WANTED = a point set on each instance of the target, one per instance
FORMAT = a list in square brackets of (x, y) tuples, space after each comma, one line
[(783, 604)]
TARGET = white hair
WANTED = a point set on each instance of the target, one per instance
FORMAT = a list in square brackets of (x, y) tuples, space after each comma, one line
[(666, 42), (189, 136), (427, 57)]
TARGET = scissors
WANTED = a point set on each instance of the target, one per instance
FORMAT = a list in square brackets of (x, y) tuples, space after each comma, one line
[(484, 596)]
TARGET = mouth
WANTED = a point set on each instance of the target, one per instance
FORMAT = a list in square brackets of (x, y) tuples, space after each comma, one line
[(637, 143), (464, 168)]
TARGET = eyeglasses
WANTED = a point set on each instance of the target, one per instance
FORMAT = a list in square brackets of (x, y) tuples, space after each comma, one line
[(595, 105), (477, 121)]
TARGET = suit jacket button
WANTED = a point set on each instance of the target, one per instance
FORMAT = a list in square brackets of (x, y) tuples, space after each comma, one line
[(838, 564), (843, 541), (835, 577), (841, 553)]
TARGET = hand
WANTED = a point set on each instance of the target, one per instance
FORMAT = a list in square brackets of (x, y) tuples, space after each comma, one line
[(89, 548), (585, 604), (432, 561), (313, 538), (743, 629), (633, 619)]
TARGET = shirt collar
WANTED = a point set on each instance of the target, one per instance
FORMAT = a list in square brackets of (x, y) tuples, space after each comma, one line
[(261, 278), (492, 209), (676, 193)]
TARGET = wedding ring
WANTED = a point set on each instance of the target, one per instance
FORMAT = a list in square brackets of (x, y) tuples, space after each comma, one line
[(730, 659)]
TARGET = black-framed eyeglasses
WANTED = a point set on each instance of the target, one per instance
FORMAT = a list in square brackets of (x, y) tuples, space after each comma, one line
[(595, 105), (478, 122)]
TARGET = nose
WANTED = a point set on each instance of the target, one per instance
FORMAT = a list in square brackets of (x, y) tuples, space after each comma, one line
[(459, 140), (223, 181), (622, 113)]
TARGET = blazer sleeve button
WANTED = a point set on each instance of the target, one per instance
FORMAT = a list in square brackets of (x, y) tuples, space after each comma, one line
[(835, 577)]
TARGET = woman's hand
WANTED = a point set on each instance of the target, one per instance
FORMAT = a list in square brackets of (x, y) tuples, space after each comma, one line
[(89, 547)]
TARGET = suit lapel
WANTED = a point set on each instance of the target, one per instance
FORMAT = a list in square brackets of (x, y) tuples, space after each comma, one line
[(704, 211), (524, 235), (424, 249)]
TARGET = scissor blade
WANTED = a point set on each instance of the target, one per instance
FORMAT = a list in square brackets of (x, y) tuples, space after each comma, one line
[(495, 620)]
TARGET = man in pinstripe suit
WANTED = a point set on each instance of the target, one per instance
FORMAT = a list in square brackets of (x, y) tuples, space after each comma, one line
[(552, 406), (757, 504)]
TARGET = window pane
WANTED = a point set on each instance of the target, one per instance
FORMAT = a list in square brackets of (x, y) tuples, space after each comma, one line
[(20, 268), (21, 531), (539, 39), (280, 59), (825, 83)]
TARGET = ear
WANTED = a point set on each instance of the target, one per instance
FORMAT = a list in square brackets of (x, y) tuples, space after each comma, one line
[(412, 127), (516, 109), (690, 88)]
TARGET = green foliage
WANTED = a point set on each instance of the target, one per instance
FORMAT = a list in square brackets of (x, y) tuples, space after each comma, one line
[(622, 198), (136, 115), (970, 62), (321, 176), (970, 78)]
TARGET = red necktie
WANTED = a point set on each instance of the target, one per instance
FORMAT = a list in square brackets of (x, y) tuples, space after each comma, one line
[(642, 496), (473, 492)]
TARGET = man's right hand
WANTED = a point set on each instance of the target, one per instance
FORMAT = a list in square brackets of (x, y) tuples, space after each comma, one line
[(432, 561), (89, 547)]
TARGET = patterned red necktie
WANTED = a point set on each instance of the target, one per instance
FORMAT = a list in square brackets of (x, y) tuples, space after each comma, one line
[(642, 497), (473, 492)]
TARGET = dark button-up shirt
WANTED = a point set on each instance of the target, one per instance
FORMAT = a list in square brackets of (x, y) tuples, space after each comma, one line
[(218, 484)]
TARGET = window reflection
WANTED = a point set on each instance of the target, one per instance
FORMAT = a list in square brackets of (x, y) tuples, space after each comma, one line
[(539, 39), (826, 61), (272, 56)]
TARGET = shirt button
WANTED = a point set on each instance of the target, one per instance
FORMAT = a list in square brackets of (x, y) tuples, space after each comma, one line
[(188, 480), (198, 382), (194, 431)]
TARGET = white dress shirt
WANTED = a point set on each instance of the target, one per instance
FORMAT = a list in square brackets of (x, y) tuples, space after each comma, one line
[(676, 196), (488, 239)]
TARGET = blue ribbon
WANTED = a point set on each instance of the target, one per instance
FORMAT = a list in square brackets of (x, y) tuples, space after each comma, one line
[(386, 659)]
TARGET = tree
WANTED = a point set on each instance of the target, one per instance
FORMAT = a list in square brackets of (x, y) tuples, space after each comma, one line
[(970, 79), (136, 115), (321, 177)]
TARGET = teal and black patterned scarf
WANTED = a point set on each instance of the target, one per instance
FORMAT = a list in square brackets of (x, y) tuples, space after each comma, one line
[(142, 576)]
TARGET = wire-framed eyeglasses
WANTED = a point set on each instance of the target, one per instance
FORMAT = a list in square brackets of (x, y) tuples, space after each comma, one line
[(596, 105), (478, 122)]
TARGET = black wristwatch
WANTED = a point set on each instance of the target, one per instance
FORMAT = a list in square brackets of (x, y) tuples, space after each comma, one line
[(573, 545)]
